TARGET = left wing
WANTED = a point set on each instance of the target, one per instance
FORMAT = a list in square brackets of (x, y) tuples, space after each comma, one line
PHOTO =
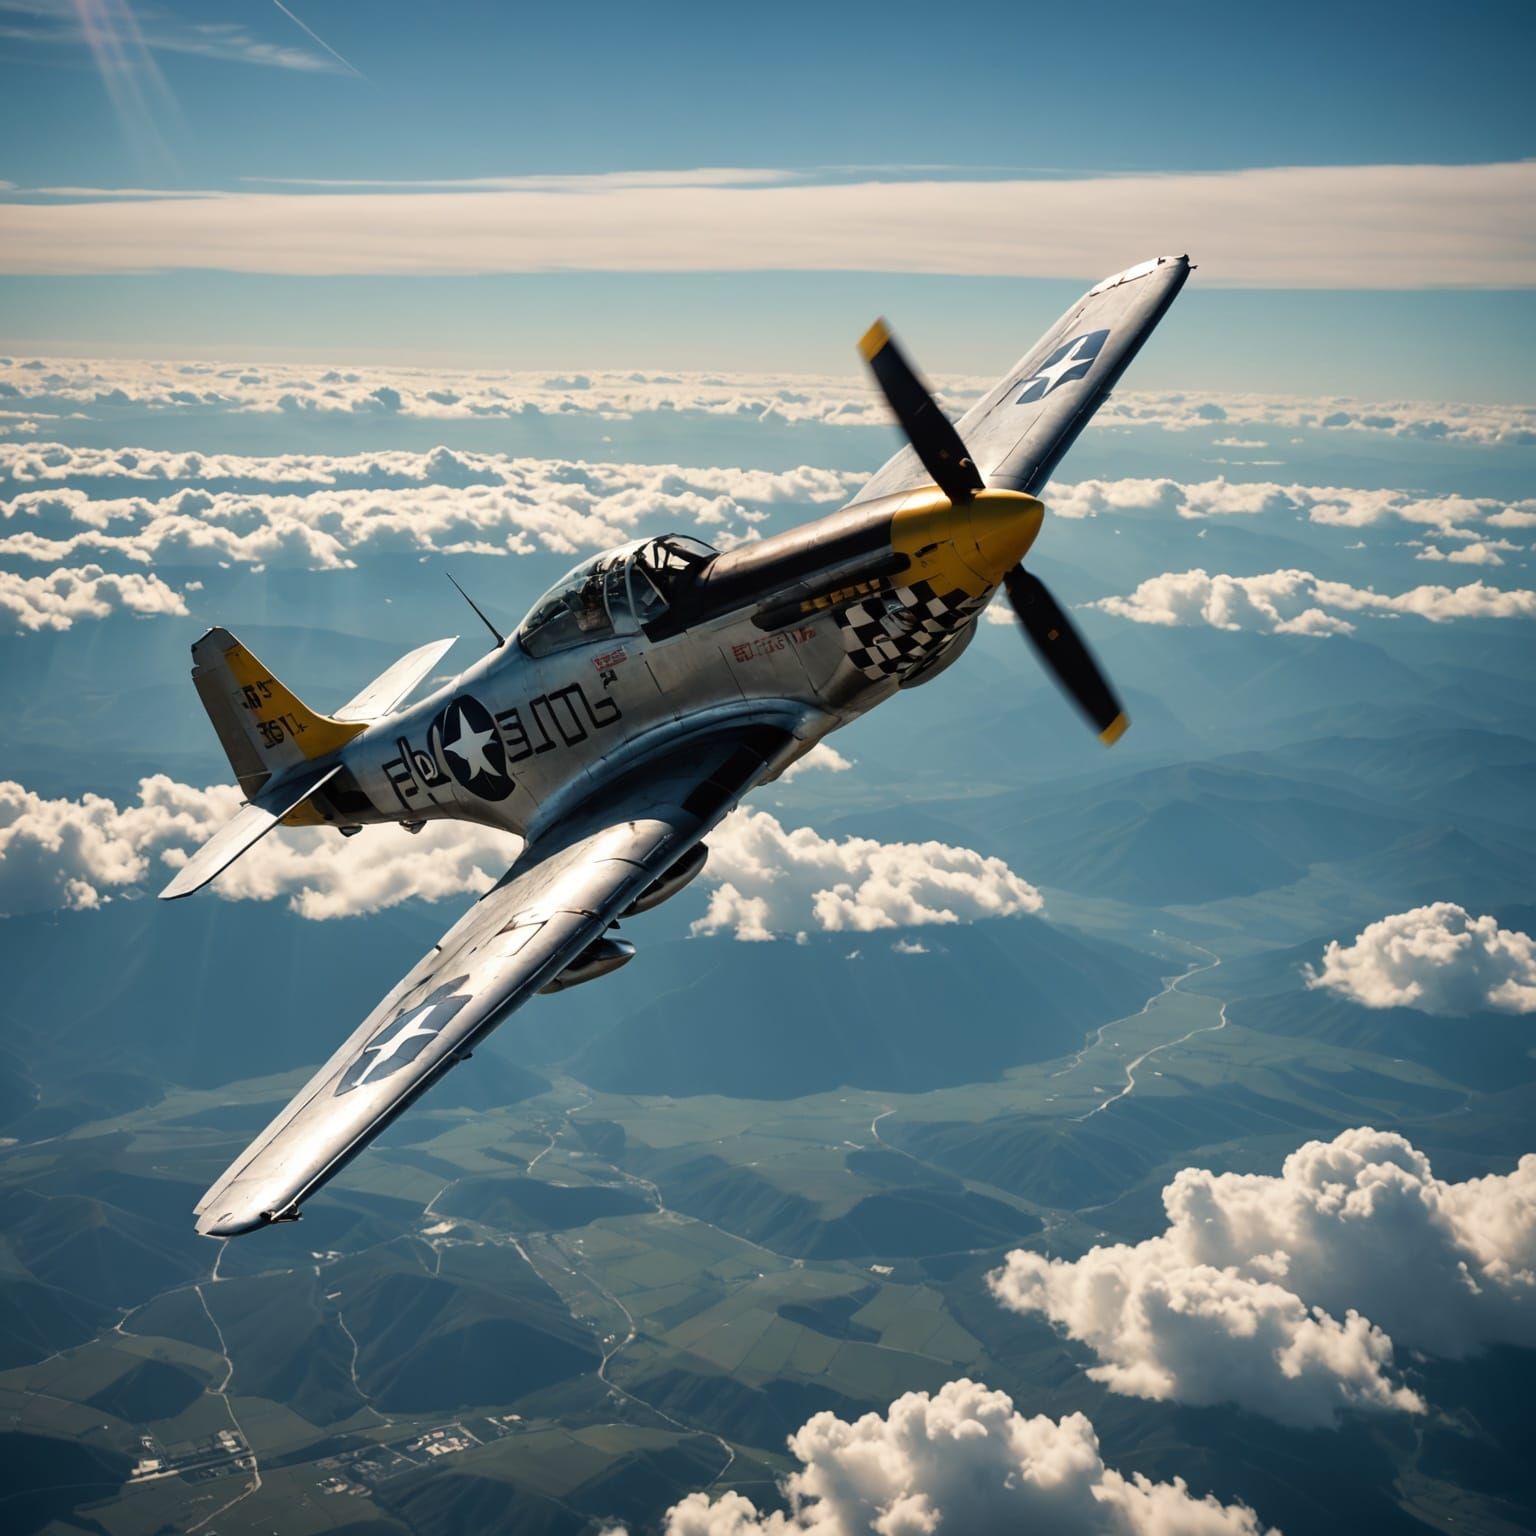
[(564, 889), (1019, 430)]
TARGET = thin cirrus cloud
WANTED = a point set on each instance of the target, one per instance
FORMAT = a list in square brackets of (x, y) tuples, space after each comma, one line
[(1469, 226), (124, 38), (1291, 1294)]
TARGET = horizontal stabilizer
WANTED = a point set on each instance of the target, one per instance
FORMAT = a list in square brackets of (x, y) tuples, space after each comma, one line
[(388, 688), (251, 823)]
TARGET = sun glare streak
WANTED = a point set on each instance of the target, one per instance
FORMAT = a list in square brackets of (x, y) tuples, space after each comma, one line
[(129, 75)]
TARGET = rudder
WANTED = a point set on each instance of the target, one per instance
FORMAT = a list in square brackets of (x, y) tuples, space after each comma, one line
[(264, 728)]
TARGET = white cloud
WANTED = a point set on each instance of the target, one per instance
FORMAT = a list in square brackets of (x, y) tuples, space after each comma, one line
[(439, 501), (59, 599), (771, 880), (77, 853), (1479, 552), (98, 387), (964, 1462), (1438, 959), (1286, 1294), (1433, 421), (1295, 602), (1330, 506), (1320, 226), (823, 758)]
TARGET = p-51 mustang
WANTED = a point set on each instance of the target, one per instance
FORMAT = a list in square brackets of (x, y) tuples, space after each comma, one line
[(637, 703)]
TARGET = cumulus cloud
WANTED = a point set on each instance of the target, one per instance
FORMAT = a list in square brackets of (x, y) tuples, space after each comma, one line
[(1438, 959), (1478, 552), (822, 758), (68, 594), (98, 387), (1313, 226), (962, 1461), (436, 502), (1295, 602), (1330, 506), (770, 880), (1286, 1294), (78, 853)]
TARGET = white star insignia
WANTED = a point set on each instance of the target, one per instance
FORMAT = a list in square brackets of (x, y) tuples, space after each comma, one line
[(387, 1050), (1051, 375), (469, 747)]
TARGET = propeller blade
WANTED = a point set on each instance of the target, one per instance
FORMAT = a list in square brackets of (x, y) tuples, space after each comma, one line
[(1062, 649), (928, 429)]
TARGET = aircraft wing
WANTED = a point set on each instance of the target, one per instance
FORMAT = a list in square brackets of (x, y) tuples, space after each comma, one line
[(1018, 432), (564, 889)]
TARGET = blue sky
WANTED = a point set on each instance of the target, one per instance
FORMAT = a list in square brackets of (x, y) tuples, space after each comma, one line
[(1383, 285)]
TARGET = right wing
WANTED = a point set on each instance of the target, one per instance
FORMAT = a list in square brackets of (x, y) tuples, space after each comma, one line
[(1018, 432), (565, 888)]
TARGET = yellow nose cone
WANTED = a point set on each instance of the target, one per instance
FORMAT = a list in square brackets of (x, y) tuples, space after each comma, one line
[(969, 548), (994, 532)]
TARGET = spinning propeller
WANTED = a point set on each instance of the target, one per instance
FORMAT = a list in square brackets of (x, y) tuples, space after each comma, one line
[(943, 454)]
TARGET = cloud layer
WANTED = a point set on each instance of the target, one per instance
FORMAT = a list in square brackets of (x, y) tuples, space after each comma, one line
[(1455, 517), (32, 389), (369, 503), (78, 853), (1438, 959), (1295, 602), (961, 1461), (1286, 1295), (1288, 227), (771, 881)]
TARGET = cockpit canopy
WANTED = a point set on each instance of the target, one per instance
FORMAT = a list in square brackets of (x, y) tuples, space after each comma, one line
[(613, 594)]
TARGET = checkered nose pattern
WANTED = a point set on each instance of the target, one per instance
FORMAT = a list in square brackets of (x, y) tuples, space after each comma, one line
[(890, 634)]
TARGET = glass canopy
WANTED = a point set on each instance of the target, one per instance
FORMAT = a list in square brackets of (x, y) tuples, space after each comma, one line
[(612, 594)]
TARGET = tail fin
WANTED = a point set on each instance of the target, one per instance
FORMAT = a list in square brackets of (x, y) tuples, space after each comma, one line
[(264, 729)]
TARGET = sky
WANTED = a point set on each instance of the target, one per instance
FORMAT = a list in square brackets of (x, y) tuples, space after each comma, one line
[(733, 188)]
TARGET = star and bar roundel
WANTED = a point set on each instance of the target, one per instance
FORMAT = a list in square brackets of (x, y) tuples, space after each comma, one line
[(469, 747), (1070, 361)]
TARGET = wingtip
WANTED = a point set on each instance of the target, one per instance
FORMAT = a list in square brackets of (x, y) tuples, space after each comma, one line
[(874, 341)]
